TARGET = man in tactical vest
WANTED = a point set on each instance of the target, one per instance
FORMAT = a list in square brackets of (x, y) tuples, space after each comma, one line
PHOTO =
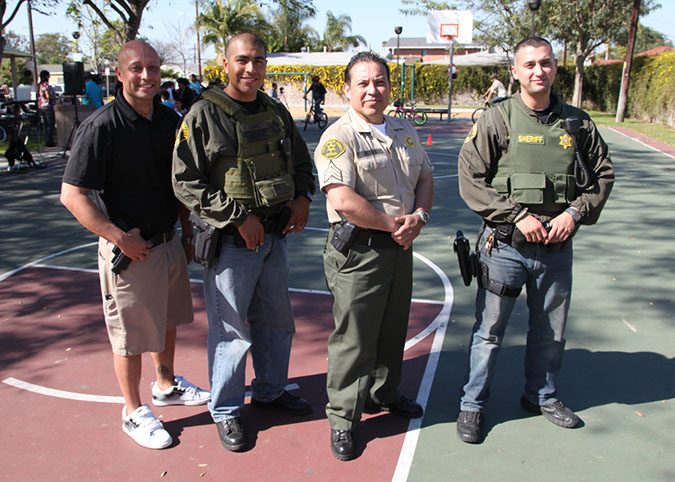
[(241, 165), (534, 169)]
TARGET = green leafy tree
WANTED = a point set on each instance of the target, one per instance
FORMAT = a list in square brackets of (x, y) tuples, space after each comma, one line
[(224, 18), (646, 39), (336, 37), (587, 25), (584, 24), (52, 48), (289, 33), (98, 43), (37, 5), (17, 41), (6, 70), (122, 17)]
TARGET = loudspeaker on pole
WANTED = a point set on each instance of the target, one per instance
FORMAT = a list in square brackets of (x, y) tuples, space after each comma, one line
[(73, 78)]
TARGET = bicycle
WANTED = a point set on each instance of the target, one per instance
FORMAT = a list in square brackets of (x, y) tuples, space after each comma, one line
[(311, 118), (418, 117), (478, 112)]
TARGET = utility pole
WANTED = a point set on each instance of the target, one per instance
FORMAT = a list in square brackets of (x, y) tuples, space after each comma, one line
[(199, 50), (36, 81), (625, 77)]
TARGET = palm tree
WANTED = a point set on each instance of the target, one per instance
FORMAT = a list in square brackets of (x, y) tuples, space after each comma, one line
[(224, 18), (335, 37), (288, 32)]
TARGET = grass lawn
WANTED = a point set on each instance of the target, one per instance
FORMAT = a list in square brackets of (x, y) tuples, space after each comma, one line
[(658, 132), (33, 143)]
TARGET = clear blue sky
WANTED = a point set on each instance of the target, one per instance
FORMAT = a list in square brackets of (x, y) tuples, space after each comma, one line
[(374, 19)]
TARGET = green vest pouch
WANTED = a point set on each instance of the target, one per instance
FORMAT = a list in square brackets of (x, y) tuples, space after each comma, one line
[(261, 176), (537, 171)]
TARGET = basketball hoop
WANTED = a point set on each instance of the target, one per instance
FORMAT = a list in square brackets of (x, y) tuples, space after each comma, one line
[(448, 27), (449, 31)]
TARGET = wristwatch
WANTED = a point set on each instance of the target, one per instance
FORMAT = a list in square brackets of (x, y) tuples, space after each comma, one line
[(424, 216), (576, 215)]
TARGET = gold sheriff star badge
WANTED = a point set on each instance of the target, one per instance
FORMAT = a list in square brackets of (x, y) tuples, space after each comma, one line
[(565, 141)]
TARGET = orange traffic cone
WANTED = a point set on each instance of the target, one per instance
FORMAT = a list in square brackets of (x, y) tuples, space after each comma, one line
[(429, 141)]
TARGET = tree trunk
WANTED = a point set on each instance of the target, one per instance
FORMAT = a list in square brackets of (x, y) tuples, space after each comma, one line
[(625, 78), (578, 78)]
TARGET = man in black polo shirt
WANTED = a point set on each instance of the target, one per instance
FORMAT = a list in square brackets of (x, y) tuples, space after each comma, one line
[(123, 154)]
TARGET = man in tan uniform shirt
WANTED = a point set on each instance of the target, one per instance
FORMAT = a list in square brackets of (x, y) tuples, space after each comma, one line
[(376, 174)]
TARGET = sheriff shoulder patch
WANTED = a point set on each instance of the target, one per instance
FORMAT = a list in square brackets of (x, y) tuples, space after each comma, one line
[(472, 134), (332, 149), (183, 134), (409, 142), (565, 141), (530, 139)]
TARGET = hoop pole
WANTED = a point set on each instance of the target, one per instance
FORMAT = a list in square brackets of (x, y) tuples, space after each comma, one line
[(452, 49)]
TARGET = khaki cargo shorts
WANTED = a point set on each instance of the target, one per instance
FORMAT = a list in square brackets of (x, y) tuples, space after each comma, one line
[(145, 300)]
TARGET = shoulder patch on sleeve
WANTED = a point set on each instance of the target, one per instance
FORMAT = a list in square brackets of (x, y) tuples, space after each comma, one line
[(332, 149), (183, 133), (472, 134), (332, 172)]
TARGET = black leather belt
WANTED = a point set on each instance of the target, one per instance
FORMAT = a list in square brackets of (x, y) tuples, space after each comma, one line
[(376, 239), (162, 238)]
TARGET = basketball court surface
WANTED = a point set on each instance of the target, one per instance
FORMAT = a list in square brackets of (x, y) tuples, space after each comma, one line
[(62, 408)]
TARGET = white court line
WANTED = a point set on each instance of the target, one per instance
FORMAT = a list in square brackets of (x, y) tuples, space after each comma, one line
[(33, 263), (439, 324), (51, 392), (640, 142), (444, 177), (201, 281), (435, 153)]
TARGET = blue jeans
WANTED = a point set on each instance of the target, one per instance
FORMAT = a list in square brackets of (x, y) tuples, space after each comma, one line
[(547, 277), (49, 120), (248, 285), (317, 108)]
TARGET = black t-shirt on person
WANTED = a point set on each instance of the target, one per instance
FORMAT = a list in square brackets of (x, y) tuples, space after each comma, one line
[(125, 159)]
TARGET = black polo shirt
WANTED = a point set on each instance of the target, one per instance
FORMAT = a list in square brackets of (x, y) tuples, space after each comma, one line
[(125, 159)]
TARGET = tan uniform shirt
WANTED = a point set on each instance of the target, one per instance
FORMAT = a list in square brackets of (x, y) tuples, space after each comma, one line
[(382, 170)]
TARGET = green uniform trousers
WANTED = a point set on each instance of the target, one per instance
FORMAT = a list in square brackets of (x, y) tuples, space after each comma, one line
[(371, 289)]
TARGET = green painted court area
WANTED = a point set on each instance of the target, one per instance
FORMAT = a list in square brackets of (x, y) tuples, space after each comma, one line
[(619, 368)]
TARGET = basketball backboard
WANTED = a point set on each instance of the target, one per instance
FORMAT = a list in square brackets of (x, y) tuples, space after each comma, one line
[(457, 24)]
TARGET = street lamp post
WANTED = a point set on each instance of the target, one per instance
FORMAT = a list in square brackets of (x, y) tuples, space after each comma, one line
[(534, 6), (398, 31)]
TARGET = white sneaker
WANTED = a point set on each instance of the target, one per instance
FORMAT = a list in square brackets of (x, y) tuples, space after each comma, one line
[(181, 393), (142, 426)]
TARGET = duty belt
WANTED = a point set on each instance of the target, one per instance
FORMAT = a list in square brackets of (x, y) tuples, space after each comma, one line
[(272, 225), (508, 233), (376, 239), (163, 237)]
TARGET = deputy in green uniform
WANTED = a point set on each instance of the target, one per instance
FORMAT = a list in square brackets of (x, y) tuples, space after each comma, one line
[(241, 165), (518, 170), (377, 176)]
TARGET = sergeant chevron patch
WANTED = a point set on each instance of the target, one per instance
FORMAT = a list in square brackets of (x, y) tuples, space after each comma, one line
[(332, 172)]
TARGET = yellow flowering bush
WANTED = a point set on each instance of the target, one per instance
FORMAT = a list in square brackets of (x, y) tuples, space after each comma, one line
[(651, 95)]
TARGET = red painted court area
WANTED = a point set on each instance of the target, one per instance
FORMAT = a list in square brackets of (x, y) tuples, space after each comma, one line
[(52, 336)]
